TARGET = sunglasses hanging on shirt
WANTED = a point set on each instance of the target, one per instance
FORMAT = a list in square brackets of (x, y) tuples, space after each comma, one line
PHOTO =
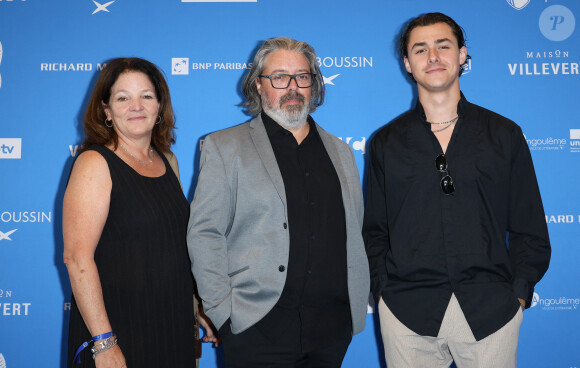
[(446, 182)]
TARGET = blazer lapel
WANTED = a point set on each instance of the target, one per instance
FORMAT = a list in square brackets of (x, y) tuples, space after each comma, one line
[(264, 148)]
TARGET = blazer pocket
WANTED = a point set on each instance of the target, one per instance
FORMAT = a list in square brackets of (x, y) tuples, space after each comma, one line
[(231, 274)]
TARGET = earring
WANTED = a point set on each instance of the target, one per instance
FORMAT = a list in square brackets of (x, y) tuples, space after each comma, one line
[(158, 120), (108, 126)]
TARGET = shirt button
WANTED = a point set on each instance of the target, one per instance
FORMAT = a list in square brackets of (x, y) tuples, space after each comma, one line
[(285, 226), (281, 268), (312, 237), (307, 174), (312, 203)]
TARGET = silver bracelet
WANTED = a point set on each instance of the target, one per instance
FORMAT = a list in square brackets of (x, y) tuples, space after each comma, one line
[(104, 345)]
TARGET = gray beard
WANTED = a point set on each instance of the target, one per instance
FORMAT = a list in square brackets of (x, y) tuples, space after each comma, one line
[(291, 119)]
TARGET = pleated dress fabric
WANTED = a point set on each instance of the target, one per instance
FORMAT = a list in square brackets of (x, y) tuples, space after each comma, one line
[(144, 270)]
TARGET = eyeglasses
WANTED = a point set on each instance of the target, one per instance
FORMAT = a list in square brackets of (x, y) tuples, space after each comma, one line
[(446, 182), (282, 81)]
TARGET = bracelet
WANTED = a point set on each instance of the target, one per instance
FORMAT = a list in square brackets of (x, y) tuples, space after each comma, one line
[(104, 345), (102, 336), (94, 339), (104, 349)]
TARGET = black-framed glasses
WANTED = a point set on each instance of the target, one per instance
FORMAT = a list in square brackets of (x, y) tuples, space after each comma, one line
[(282, 81), (446, 182)]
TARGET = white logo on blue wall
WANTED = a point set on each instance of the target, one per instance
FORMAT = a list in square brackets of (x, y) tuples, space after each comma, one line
[(560, 219), (345, 61), (70, 67), (102, 7), (25, 216), (542, 65), (2, 361), (180, 66), (535, 300), (10, 148), (555, 304), (73, 150), (15, 309), (466, 67), (546, 143), (329, 80), (6, 235), (357, 145), (557, 23), (575, 140), (518, 4)]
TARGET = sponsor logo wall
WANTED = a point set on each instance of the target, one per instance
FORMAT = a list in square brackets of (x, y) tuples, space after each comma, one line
[(525, 65)]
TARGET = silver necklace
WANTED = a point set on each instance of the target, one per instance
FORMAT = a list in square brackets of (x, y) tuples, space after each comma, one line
[(141, 162), (446, 122), (450, 122), (442, 129)]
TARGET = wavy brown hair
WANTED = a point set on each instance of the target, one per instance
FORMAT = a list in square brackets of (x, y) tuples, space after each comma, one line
[(96, 132)]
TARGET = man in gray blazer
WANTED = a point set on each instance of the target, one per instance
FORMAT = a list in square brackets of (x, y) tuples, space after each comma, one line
[(275, 229)]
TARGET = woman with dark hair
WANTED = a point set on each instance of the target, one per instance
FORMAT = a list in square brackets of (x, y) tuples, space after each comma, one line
[(124, 226)]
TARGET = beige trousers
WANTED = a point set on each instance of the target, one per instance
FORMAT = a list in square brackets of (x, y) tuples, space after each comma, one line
[(455, 342)]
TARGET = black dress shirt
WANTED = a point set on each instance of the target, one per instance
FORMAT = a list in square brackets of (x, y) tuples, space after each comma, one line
[(314, 305), (487, 242)]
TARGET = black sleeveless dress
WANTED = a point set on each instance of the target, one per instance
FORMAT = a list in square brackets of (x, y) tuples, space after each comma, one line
[(144, 270)]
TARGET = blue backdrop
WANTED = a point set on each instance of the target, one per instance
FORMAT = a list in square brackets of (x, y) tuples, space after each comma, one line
[(525, 67)]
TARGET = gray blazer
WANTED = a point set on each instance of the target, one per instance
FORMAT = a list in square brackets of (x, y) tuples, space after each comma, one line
[(238, 236)]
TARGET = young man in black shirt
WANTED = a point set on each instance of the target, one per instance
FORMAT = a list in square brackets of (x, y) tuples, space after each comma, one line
[(454, 224)]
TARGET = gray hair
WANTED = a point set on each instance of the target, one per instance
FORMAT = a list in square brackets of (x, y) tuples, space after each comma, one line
[(253, 101)]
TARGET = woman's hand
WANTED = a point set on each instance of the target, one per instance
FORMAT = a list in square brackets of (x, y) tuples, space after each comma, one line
[(210, 335)]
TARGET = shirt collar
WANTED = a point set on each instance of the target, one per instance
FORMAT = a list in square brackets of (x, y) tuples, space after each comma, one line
[(461, 108), (273, 128)]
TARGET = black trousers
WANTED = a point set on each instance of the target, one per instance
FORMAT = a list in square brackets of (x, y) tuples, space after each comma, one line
[(253, 349)]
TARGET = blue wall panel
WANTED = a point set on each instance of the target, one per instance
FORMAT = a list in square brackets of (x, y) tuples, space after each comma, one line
[(525, 66)]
